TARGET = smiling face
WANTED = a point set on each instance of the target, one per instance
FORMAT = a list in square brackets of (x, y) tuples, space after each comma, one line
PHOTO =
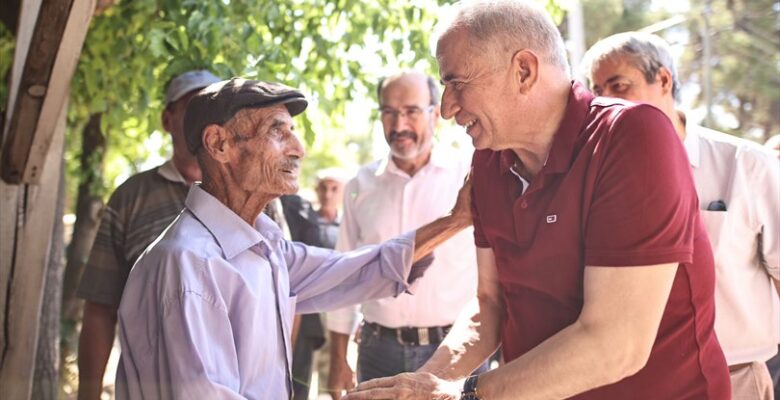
[(480, 96), (408, 117), (616, 77), (266, 153)]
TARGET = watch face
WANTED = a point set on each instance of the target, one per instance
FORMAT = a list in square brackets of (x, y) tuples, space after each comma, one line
[(470, 389)]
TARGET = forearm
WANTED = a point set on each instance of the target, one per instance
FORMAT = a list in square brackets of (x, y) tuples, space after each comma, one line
[(95, 342), (296, 329), (474, 337), (338, 347), (429, 236), (573, 361)]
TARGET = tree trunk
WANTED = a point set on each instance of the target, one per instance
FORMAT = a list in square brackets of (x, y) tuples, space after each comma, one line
[(46, 378), (89, 207)]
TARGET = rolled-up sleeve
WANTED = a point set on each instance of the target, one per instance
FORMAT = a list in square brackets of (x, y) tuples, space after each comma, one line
[(326, 280)]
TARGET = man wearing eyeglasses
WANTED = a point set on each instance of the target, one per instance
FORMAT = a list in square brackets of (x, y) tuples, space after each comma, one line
[(411, 187)]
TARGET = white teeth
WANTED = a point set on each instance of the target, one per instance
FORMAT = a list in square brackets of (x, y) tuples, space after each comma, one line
[(469, 124)]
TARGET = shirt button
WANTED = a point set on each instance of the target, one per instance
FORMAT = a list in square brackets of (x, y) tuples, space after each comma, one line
[(523, 204)]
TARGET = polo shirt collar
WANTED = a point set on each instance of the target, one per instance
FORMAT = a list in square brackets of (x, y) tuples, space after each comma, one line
[(233, 234), (168, 171), (691, 144), (565, 138)]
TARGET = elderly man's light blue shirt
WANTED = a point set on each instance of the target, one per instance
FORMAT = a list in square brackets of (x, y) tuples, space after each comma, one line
[(207, 310)]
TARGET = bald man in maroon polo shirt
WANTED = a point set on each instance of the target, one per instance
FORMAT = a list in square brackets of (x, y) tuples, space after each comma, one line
[(595, 273)]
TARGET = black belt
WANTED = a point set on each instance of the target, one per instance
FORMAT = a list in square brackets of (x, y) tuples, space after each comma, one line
[(411, 335)]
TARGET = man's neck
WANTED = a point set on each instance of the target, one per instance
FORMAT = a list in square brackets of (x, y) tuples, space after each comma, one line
[(188, 167), (679, 121), (534, 153), (412, 166), (246, 205), (328, 214)]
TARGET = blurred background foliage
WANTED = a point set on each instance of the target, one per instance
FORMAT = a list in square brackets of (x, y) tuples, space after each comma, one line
[(336, 51)]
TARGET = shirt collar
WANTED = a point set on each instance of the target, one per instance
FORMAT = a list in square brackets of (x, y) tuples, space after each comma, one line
[(439, 159), (168, 171), (233, 234), (691, 144), (560, 157)]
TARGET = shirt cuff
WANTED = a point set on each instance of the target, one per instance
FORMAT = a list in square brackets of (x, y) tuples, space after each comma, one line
[(344, 320)]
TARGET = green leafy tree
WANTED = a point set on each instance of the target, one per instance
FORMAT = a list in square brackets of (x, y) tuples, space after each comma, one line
[(745, 64), (603, 18)]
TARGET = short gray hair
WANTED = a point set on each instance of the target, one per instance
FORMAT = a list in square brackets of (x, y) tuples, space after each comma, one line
[(644, 51), (511, 25), (433, 87)]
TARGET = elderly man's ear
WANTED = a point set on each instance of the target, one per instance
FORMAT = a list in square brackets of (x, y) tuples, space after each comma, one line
[(665, 77), (216, 142), (525, 66)]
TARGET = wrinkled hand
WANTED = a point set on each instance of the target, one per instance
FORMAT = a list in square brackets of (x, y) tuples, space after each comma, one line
[(340, 378), (462, 208), (407, 386)]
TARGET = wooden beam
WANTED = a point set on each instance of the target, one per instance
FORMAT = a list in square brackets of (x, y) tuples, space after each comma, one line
[(9, 194), (58, 37), (35, 206), (27, 211)]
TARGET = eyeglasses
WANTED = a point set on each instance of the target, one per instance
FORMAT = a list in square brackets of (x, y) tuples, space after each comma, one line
[(411, 113)]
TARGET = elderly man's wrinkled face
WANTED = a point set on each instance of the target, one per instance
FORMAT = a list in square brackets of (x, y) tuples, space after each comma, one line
[(477, 94), (267, 152), (408, 117), (616, 77)]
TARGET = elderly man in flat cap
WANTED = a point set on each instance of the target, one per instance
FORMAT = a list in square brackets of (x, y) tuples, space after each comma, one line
[(208, 308)]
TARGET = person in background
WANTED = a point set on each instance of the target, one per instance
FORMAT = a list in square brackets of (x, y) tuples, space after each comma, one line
[(208, 308), (738, 186), (137, 212), (319, 228), (414, 184), (773, 364), (595, 273)]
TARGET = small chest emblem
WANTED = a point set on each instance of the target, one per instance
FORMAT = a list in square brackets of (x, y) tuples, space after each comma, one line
[(551, 219)]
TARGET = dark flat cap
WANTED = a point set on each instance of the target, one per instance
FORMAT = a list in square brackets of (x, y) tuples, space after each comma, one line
[(219, 102)]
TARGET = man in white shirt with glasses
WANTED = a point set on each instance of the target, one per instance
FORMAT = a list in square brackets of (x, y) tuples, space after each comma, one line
[(412, 186)]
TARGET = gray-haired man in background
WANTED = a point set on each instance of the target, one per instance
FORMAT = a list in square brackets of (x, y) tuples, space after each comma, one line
[(738, 184)]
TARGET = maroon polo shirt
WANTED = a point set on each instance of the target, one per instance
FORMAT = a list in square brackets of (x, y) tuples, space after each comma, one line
[(616, 191)]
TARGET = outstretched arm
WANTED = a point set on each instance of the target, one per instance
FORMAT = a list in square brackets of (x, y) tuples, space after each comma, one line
[(610, 340), (430, 236)]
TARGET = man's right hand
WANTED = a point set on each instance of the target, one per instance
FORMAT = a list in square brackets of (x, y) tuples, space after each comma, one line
[(341, 377), (462, 208)]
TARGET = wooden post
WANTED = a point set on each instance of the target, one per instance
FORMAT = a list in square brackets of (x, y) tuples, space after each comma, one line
[(60, 29), (27, 210), (34, 219)]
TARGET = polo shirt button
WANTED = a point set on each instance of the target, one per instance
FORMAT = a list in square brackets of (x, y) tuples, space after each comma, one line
[(523, 204)]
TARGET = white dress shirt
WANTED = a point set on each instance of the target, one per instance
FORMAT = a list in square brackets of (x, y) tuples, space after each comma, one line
[(745, 239), (383, 201), (208, 308)]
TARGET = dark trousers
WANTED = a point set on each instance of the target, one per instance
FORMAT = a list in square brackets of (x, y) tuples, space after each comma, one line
[(774, 370), (311, 336), (382, 355)]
